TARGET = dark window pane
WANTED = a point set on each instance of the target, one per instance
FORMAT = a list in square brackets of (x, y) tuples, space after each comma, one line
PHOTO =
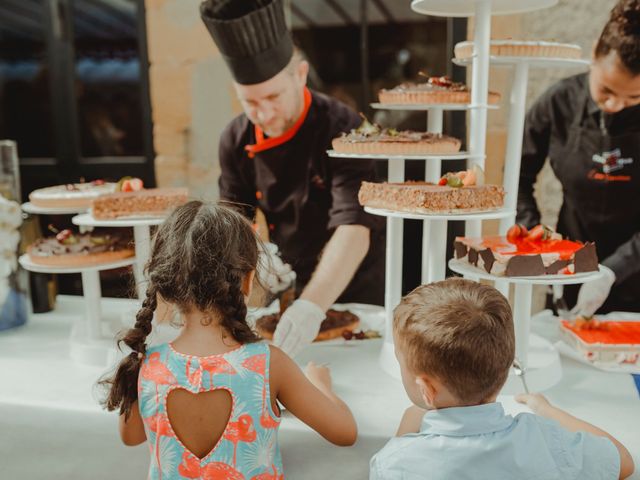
[(25, 92), (108, 79)]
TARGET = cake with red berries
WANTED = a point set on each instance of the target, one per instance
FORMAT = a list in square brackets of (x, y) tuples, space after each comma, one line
[(145, 203), (523, 253), (332, 327), (522, 48), (71, 195), (604, 341), (457, 192), (69, 249), (434, 90), (371, 139)]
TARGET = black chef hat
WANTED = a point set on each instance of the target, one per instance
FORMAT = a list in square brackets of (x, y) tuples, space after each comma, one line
[(251, 35)]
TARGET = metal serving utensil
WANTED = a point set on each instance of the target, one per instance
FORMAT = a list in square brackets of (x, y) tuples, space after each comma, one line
[(520, 372)]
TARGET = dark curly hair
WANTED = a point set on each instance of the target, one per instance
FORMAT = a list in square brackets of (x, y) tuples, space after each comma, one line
[(621, 34), (199, 258)]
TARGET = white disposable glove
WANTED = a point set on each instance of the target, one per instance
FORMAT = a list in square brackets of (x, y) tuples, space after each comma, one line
[(593, 294), (273, 273), (298, 326)]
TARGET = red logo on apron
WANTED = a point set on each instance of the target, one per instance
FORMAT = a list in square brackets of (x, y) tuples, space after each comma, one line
[(611, 162)]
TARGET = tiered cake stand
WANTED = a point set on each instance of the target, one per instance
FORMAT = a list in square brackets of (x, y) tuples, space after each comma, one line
[(535, 354), (89, 344)]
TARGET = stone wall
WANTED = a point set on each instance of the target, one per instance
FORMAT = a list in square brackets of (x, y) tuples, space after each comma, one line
[(191, 96)]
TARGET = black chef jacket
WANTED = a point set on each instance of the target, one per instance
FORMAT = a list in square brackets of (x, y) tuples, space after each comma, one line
[(596, 157), (304, 194)]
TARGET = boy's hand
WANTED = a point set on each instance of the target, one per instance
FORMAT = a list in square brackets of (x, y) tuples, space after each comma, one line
[(537, 402), (319, 375)]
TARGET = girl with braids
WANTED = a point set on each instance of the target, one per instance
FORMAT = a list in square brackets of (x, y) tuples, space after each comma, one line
[(589, 127), (206, 402)]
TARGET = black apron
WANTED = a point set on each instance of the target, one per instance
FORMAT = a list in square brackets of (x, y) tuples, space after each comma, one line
[(600, 177)]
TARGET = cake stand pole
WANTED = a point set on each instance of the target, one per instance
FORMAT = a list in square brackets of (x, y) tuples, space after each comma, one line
[(393, 275), (514, 141), (434, 232), (142, 237), (92, 295), (479, 96), (522, 320)]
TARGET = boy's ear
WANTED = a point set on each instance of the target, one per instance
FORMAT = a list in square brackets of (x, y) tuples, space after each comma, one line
[(428, 390), (247, 283)]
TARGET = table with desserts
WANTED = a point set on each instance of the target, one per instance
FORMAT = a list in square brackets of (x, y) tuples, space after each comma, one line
[(64, 387)]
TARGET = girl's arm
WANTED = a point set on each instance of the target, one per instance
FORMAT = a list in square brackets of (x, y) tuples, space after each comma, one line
[(541, 406), (132, 428), (312, 399), (411, 420)]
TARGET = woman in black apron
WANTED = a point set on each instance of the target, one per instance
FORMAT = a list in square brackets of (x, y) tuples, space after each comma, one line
[(589, 127)]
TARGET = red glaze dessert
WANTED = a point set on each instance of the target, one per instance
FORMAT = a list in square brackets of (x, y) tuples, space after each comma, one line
[(527, 253), (605, 341)]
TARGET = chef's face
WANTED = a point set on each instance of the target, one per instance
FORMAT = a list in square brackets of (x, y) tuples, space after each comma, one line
[(276, 105), (612, 86)]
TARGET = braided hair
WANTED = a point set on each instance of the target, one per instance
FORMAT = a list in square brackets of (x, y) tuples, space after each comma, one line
[(621, 34), (199, 259)]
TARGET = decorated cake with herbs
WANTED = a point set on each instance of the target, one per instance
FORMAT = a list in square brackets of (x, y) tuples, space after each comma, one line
[(370, 138), (434, 90)]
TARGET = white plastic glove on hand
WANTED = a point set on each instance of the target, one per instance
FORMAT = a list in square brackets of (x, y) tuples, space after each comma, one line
[(298, 327), (273, 273), (592, 295)]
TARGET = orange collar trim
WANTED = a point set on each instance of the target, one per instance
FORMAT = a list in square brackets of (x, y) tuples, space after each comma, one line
[(261, 144)]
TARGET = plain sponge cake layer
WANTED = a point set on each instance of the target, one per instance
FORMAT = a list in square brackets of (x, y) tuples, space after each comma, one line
[(422, 197)]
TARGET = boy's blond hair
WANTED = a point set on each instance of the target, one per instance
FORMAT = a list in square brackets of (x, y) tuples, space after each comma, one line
[(459, 331)]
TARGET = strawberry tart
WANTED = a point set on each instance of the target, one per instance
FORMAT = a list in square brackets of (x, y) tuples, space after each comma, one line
[(370, 138)]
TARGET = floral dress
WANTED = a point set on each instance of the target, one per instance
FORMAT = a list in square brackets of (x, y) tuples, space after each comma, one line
[(248, 448)]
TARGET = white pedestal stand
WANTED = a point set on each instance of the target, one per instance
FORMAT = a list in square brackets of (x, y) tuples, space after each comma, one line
[(29, 207), (90, 342), (535, 354), (142, 238), (437, 238)]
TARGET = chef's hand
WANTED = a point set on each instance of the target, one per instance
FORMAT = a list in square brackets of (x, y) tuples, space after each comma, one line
[(298, 327), (593, 294), (273, 273)]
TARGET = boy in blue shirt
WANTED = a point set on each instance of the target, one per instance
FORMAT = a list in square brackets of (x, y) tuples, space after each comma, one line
[(455, 345)]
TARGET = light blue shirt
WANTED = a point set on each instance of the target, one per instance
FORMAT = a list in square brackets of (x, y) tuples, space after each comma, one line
[(482, 442)]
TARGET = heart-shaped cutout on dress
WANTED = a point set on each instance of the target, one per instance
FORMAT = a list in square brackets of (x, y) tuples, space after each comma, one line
[(199, 419)]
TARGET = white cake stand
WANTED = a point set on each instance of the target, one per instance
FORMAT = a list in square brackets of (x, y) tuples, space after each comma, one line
[(141, 235), (378, 156), (468, 8), (29, 207), (423, 107), (535, 354), (88, 343)]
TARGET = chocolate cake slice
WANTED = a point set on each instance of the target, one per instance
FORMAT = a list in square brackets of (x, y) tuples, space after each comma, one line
[(331, 327)]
